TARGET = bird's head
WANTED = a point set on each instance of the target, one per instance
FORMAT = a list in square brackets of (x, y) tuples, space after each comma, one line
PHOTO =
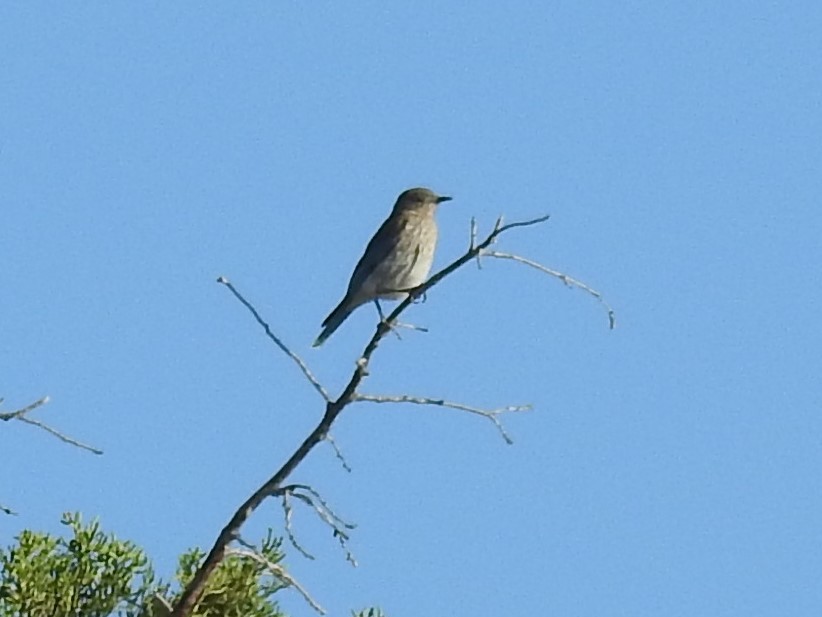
[(418, 199)]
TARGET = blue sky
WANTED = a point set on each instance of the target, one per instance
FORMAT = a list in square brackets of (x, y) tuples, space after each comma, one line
[(670, 467)]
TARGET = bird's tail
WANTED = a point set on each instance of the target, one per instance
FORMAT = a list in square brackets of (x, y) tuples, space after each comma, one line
[(334, 321)]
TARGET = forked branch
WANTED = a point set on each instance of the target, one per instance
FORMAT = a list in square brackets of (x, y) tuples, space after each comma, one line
[(277, 571), (23, 416), (490, 414), (276, 484), (314, 500), (567, 280)]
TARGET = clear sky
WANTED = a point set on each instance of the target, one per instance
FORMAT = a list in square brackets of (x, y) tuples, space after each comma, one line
[(670, 467)]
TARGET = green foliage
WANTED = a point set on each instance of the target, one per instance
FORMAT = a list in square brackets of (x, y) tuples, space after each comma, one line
[(241, 586), (371, 612), (88, 575), (92, 574)]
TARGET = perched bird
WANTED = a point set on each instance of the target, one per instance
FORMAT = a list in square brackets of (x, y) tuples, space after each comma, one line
[(397, 258)]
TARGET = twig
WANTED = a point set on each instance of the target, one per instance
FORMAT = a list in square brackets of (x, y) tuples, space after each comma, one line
[(338, 453), (12, 415), (499, 227), (490, 414), (327, 516), (59, 435), (7, 510), (343, 538), (472, 240), (567, 280), (277, 341), (289, 530), (21, 415), (314, 500), (279, 572), (337, 526)]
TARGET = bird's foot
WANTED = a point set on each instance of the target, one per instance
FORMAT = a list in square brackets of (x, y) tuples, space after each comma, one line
[(417, 295)]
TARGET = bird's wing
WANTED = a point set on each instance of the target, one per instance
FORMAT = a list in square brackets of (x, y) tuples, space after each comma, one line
[(379, 248)]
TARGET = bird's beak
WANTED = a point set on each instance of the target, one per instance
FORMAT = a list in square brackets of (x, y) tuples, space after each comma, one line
[(443, 198)]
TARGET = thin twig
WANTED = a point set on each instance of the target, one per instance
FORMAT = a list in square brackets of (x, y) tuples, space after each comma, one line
[(497, 224), (328, 518), (474, 241), (277, 341), (21, 415), (315, 500), (279, 572), (289, 531), (7, 510), (59, 435), (12, 415), (499, 228), (567, 280), (490, 414), (343, 538), (338, 453)]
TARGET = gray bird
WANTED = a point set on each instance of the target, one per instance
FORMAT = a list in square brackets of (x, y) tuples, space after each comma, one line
[(397, 258)]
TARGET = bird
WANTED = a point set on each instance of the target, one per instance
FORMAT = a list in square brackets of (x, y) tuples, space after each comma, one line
[(397, 259)]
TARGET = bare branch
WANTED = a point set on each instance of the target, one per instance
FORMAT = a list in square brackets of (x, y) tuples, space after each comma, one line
[(338, 526), (274, 485), (499, 228), (342, 537), (314, 500), (60, 436), (277, 341), (567, 280), (22, 416), (490, 414), (473, 241), (497, 224), (279, 572), (337, 452), (289, 530), (13, 415)]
